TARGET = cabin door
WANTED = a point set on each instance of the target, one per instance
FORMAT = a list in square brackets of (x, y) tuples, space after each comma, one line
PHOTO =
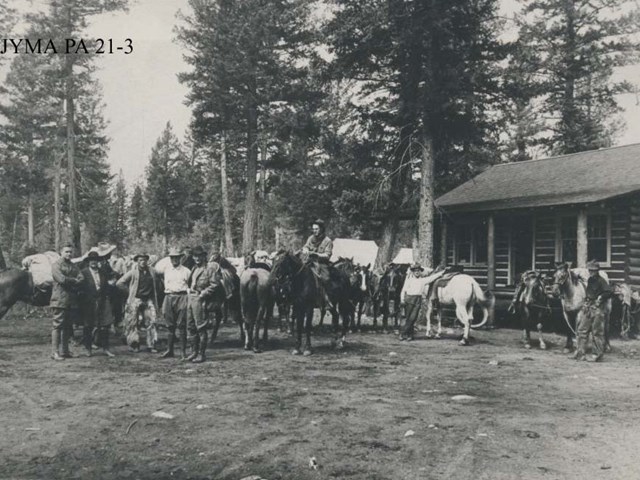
[(521, 258)]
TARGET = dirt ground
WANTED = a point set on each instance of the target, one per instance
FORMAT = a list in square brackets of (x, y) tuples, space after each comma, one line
[(535, 414)]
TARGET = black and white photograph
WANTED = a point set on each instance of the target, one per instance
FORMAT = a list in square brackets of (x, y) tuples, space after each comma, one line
[(319, 239)]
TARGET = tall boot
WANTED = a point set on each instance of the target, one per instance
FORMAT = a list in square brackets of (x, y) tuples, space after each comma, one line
[(203, 346), (55, 344), (172, 339), (105, 342), (66, 335), (87, 339), (195, 347), (183, 344)]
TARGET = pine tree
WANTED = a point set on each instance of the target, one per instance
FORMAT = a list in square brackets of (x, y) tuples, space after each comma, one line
[(137, 218), (120, 211), (579, 44)]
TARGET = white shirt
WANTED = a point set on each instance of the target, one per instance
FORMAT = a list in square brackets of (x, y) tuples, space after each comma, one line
[(96, 277), (418, 285), (176, 279)]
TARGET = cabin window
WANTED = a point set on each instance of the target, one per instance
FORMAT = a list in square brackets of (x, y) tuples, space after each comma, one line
[(471, 245), (598, 238), (569, 239)]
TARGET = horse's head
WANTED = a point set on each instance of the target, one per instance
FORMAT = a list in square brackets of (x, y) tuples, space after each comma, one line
[(249, 259), (364, 277), (346, 266), (393, 277), (285, 266), (534, 289), (561, 276)]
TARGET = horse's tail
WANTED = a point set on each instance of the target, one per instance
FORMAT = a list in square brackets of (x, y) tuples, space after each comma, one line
[(249, 298), (485, 300)]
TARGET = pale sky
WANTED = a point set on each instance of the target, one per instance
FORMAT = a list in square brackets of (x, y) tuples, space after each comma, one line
[(142, 92)]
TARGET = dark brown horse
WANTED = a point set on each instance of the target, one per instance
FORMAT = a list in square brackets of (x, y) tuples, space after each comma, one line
[(256, 297), (226, 298), (388, 292), (17, 286), (308, 293), (532, 306), (364, 292)]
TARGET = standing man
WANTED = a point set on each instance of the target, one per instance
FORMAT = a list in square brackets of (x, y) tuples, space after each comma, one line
[(187, 259), (203, 282), (142, 302), (174, 307), (591, 317), (67, 279), (94, 303)]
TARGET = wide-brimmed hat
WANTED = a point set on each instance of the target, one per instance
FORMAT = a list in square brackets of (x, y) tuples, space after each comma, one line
[(175, 252), (140, 255), (198, 251), (416, 266), (593, 265), (103, 249), (93, 255)]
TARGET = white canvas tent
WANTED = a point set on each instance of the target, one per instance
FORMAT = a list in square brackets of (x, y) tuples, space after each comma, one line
[(404, 256), (363, 252)]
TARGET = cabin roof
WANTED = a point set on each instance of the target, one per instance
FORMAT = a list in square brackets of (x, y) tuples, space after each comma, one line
[(578, 178)]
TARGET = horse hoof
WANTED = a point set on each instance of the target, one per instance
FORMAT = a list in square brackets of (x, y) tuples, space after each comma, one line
[(464, 342), (247, 348), (295, 351), (527, 346), (543, 346), (306, 353), (437, 336), (566, 350), (340, 346), (257, 350)]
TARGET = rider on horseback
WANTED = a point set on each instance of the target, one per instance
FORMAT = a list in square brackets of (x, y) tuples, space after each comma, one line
[(317, 251)]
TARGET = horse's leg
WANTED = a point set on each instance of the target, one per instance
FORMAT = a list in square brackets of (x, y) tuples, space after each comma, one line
[(526, 335), (299, 316), (439, 314), (463, 315), (360, 307), (543, 346), (385, 315), (568, 346), (607, 322), (323, 311), (429, 313), (309, 321), (261, 318)]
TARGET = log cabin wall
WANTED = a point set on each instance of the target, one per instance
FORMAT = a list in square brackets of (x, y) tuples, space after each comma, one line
[(632, 264)]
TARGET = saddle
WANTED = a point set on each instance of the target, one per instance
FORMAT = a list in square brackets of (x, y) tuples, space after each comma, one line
[(442, 282), (261, 265)]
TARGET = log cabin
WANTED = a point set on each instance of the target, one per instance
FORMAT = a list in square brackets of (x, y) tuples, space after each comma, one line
[(527, 215)]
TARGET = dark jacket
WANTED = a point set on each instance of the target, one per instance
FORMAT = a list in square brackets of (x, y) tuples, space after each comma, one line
[(67, 279), (92, 300), (205, 280)]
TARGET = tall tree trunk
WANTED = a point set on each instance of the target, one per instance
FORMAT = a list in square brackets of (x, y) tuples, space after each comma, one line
[(3, 263), (387, 242), (71, 161), (252, 168), (57, 179), (30, 228), (228, 234), (263, 191), (427, 207)]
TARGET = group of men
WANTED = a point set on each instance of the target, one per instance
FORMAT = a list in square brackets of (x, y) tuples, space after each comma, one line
[(87, 293)]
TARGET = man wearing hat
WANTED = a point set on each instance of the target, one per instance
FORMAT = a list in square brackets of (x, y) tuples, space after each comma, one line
[(142, 284), (67, 279), (203, 282), (174, 306), (318, 243), (94, 298), (416, 286), (591, 317)]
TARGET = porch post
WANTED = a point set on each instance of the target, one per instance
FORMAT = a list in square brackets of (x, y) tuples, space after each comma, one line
[(443, 240), (491, 261), (582, 239)]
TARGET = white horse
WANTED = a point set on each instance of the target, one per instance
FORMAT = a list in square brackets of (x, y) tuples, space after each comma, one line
[(463, 292), (570, 285)]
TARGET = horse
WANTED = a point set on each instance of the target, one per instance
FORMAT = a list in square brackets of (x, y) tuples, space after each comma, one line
[(363, 294), (533, 306), (464, 292), (388, 291), (282, 298), (226, 298), (569, 284), (349, 270), (17, 286), (256, 296), (308, 293)]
